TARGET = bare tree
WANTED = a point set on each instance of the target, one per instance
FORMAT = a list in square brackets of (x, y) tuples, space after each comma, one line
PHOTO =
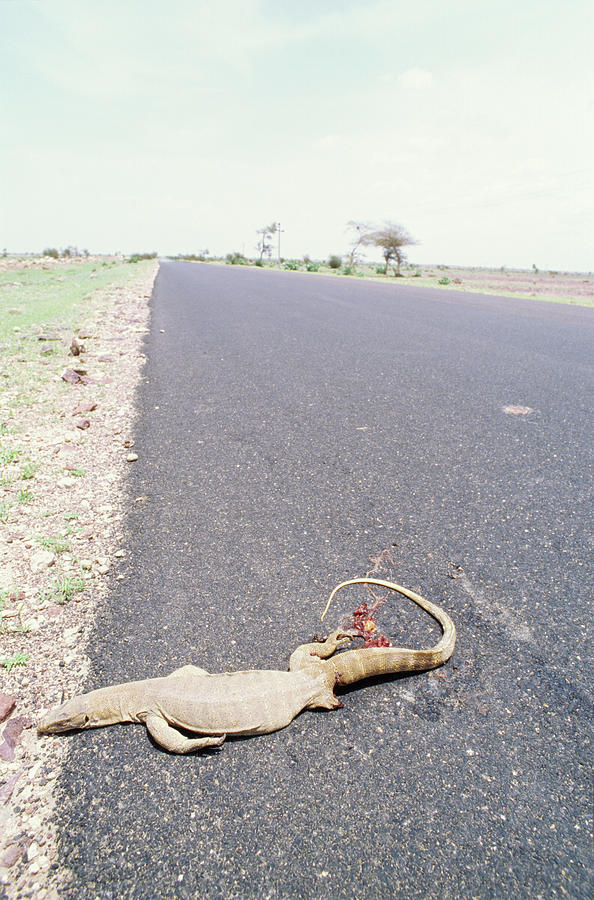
[(265, 240), (391, 239), (359, 233)]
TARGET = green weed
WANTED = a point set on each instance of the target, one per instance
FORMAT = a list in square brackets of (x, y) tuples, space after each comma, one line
[(28, 471), (66, 586), (19, 659), (8, 455), (55, 544), (25, 496)]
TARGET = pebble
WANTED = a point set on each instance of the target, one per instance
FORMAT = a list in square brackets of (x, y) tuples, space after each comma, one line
[(42, 560), (66, 482), (132, 457)]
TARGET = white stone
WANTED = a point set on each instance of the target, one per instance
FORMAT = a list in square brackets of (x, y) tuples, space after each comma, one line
[(41, 561)]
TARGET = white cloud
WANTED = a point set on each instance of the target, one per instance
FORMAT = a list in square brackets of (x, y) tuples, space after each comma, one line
[(415, 79)]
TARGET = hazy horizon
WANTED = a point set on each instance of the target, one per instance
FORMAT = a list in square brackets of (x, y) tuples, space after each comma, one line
[(185, 127)]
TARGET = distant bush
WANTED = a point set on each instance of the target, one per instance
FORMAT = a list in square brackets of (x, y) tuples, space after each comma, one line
[(380, 270), (444, 280), (348, 270), (136, 257), (291, 264), (312, 267), (51, 251), (259, 263), (418, 274), (334, 262), (190, 257), (236, 259)]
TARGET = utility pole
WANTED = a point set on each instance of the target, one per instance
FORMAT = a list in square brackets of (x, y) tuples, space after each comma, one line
[(279, 229)]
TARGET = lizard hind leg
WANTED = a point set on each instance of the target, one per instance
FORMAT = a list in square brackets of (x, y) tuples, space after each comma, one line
[(171, 739)]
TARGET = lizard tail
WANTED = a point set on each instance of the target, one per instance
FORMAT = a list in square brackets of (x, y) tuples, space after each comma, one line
[(354, 665)]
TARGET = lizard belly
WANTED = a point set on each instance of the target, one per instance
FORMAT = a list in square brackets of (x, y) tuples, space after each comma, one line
[(251, 702)]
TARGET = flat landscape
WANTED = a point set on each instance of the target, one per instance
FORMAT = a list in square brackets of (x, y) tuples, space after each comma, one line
[(576, 288), (254, 443)]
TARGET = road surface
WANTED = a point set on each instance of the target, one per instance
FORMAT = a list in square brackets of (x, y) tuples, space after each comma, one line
[(289, 427)]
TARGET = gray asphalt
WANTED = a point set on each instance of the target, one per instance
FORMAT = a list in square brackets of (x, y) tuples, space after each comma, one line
[(290, 426)]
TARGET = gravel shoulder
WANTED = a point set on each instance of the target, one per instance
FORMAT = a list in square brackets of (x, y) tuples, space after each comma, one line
[(68, 386)]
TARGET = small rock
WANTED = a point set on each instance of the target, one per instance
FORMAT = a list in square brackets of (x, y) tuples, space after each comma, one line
[(10, 737), (132, 457), (104, 358), (48, 337), (80, 369), (41, 561), (86, 564), (83, 424), (13, 311), (66, 482), (52, 612), (32, 851), (102, 570), (45, 350), (75, 348), (7, 787), (7, 704), (71, 377), (119, 554), (12, 853), (84, 408)]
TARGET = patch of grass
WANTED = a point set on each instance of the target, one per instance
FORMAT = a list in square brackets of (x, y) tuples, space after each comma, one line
[(70, 516), (444, 280), (55, 544), (5, 507), (4, 429), (70, 530), (51, 298), (18, 659), (8, 455), (66, 586), (25, 496), (78, 473), (28, 471)]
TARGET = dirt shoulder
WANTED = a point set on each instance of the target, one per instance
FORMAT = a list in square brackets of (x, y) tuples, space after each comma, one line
[(67, 386)]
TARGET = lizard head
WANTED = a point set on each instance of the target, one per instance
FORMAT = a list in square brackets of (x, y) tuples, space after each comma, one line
[(72, 714)]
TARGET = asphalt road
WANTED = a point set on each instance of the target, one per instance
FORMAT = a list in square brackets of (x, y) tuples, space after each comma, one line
[(290, 426)]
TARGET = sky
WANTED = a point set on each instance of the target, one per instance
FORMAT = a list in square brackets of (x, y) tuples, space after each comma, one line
[(138, 125)]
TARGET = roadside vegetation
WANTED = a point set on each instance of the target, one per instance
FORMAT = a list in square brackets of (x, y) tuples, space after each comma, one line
[(45, 303), (389, 242), (71, 331)]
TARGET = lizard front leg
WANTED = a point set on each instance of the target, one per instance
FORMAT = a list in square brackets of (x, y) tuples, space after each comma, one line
[(171, 739)]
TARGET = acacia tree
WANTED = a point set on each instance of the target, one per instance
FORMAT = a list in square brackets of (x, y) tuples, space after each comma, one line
[(390, 239), (265, 240)]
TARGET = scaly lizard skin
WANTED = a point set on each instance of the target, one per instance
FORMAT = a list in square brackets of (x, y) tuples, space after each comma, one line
[(250, 702)]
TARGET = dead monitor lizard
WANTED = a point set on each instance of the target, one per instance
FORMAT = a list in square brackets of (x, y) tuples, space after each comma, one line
[(249, 702)]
